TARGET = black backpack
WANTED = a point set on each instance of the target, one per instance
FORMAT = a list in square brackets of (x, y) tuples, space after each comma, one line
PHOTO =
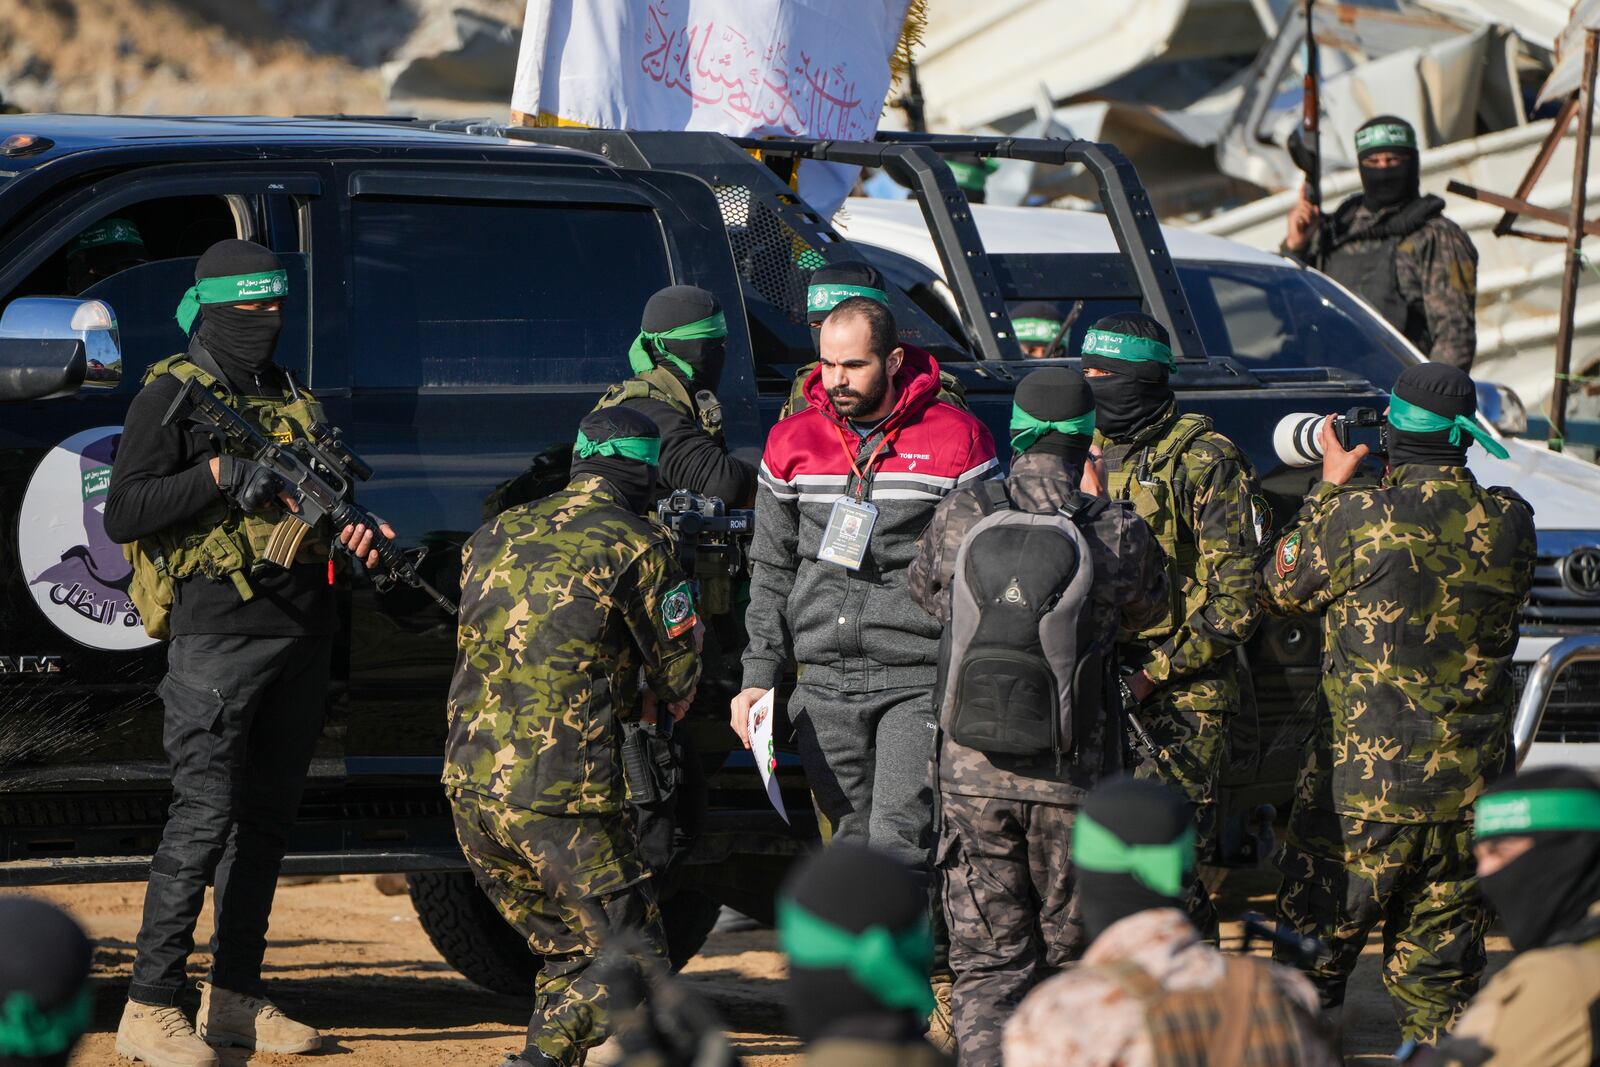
[(1015, 675)]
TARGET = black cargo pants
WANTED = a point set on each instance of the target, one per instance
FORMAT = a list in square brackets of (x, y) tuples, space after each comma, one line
[(242, 718)]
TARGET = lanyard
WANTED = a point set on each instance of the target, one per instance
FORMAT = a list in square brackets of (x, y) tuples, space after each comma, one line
[(862, 479)]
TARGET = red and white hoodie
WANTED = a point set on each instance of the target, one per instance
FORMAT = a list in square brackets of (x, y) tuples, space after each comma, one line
[(854, 630)]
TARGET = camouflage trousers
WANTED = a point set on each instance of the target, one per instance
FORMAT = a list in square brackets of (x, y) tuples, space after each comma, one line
[(519, 858), (1343, 877), (1190, 736), (1011, 904)]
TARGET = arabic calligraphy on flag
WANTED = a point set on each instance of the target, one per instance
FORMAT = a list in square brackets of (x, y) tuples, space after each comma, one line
[(813, 68)]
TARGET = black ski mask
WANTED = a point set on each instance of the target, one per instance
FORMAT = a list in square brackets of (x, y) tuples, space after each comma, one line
[(1441, 389), (699, 360), (1062, 398), (1138, 814), (856, 994), (1384, 187), (1133, 395), (241, 341), (634, 479), (1543, 896)]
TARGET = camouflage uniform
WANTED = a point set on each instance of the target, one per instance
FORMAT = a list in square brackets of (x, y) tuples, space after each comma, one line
[(1416, 267), (951, 391), (1009, 897), (1106, 1012), (1204, 511), (1421, 583), (563, 601)]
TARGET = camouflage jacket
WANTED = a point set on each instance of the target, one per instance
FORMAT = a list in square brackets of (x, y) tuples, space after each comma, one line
[(1420, 583), (1428, 291), (1048, 1027), (1129, 591), (562, 602), (1213, 528)]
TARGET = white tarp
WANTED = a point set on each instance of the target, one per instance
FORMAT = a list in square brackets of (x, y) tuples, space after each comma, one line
[(817, 68), (1568, 72)]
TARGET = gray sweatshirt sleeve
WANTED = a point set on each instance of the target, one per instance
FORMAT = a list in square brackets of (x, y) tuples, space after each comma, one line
[(773, 564)]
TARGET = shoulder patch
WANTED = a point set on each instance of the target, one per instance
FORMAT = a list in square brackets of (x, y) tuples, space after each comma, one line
[(677, 610), (1287, 557)]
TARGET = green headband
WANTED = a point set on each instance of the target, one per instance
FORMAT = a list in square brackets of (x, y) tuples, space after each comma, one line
[(1163, 868), (232, 289), (109, 232), (1026, 429), (1386, 135), (705, 329), (825, 296), (893, 966), (1128, 348), (972, 176), (1404, 415), (1536, 811), (1036, 331), (643, 449), (27, 1031)]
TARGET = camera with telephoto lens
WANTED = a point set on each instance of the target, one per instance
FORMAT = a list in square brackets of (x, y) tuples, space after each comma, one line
[(712, 541), (1295, 438)]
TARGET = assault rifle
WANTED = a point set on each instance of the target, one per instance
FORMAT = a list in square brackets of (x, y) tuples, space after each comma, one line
[(713, 542), (319, 474), (1305, 144)]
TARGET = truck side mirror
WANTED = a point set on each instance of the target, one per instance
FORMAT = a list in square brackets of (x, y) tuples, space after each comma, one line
[(51, 346), (1502, 407)]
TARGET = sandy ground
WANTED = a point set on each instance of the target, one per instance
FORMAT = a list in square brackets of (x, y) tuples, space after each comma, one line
[(357, 964)]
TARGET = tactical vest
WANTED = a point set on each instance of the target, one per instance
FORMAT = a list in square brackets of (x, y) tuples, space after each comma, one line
[(1243, 1021), (659, 383), (1371, 273), (223, 542), (1145, 480)]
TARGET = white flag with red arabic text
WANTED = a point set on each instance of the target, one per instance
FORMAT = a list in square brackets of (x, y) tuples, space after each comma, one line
[(803, 68)]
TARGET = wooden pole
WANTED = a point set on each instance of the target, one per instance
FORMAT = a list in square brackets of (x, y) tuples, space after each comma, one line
[(1569, 276)]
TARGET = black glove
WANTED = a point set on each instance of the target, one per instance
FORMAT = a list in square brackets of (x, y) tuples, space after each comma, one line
[(248, 484)]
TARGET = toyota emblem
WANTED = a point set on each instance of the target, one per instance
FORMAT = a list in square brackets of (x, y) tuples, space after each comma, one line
[(1581, 571)]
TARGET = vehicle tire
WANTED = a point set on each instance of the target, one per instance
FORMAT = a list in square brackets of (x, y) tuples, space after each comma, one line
[(470, 934), (475, 940)]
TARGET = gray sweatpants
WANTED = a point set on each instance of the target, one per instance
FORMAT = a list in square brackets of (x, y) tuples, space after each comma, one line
[(868, 758)]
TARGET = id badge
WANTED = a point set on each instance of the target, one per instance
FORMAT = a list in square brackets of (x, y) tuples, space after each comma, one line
[(849, 529)]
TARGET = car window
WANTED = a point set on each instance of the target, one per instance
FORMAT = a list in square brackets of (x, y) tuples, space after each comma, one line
[(1266, 317), (145, 299), (475, 294), (141, 258)]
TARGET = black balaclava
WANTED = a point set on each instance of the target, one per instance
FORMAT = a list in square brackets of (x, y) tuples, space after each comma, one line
[(1059, 396), (45, 997), (1136, 395), (1388, 186), (857, 890), (633, 478), (240, 341), (830, 286), (1443, 390), (1543, 894), (1136, 813), (680, 305), (1037, 322)]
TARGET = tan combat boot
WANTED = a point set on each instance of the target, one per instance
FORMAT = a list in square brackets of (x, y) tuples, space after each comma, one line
[(941, 1028), (161, 1037), (227, 1018)]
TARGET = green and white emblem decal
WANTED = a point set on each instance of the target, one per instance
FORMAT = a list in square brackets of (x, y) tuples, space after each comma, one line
[(1288, 555), (677, 610)]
